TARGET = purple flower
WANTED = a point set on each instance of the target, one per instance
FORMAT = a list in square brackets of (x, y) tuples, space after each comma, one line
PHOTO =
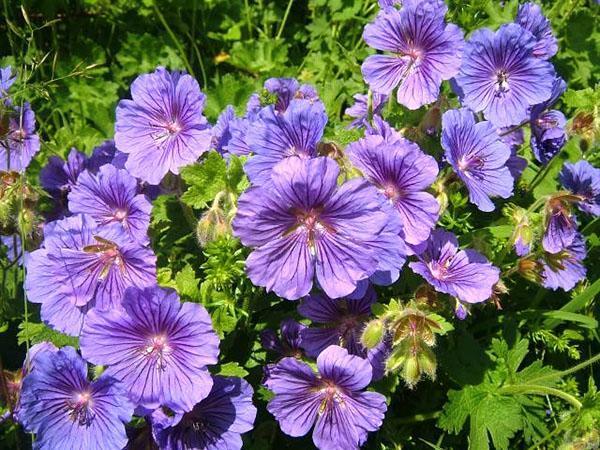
[(7, 78), (59, 176), (561, 227), (20, 142), (401, 172), (112, 196), (14, 249), (106, 153), (548, 135), (501, 76), (288, 89), (425, 51), (156, 346), (360, 110), (388, 3), (514, 139), (276, 136), (531, 18), (238, 128), (66, 410), (253, 107), (81, 266), (565, 269), (215, 423), (290, 342), (465, 274), (334, 401), (162, 128), (380, 127), (460, 311), (303, 226), (221, 132), (583, 179), (478, 156), (341, 323)]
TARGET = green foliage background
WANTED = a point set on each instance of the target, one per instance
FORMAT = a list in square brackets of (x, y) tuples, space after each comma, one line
[(506, 378)]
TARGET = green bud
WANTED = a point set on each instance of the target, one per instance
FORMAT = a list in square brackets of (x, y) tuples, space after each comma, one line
[(427, 362), (372, 334), (411, 372), (212, 225), (396, 359)]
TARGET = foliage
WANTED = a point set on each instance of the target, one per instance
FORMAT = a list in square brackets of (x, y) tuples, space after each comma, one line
[(512, 375)]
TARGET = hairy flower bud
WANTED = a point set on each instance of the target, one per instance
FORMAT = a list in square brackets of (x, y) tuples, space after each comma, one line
[(212, 225), (530, 269), (372, 334)]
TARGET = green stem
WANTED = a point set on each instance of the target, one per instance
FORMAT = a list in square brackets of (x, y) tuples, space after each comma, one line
[(540, 176), (285, 17), (540, 390), (573, 369), (513, 129), (418, 418), (550, 435), (160, 16), (248, 18), (200, 61), (188, 213)]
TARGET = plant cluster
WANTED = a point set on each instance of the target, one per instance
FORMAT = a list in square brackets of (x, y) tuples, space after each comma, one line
[(394, 248)]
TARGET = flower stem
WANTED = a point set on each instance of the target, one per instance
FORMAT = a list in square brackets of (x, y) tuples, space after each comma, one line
[(285, 17), (540, 390)]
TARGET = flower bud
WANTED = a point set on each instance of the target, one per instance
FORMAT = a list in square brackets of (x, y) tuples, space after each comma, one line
[(460, 310), (411, 372), (426, 295), (211, 226), (372, 334), (427, 362), (530, 269)]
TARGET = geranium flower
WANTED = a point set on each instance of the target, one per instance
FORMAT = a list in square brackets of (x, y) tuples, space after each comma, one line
[(156, 346), (334, 401), (425, 51), (162, 128), (465, 274), (215, 423), (501, 76), (303, 226), (112, 196), (66, 410)]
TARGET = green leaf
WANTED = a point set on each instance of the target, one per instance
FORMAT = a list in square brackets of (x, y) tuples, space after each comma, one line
[(505, 402), (231, 369), (259, 56), (223, 321), (565, 316), (38, 332), (204, 180), (577, 303), (187, 284)]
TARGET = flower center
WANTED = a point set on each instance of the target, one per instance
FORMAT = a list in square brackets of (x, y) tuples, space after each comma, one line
[(173, 127), (79, 408), (391, 191), (347, 327), (439, 269), (108, 255), (157, 349), (469, 162), (120, 214), (412, 59), (501, 84), (332, 395)]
